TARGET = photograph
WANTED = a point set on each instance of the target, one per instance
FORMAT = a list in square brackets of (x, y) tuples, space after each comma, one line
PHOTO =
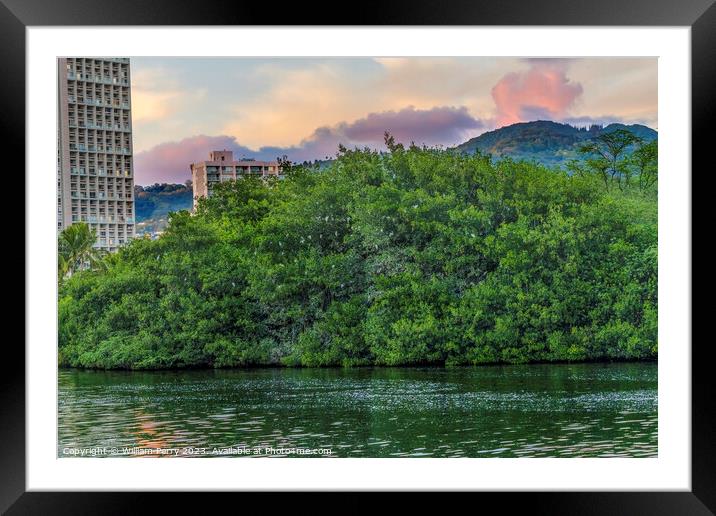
[(339, 257), (411, 250)]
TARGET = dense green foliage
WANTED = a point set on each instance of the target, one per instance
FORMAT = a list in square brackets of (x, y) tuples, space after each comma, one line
[(414, 256), (548, 143)]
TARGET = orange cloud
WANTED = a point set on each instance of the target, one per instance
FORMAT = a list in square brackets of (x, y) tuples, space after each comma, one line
[(296, 102), (444, 125), (157, 104)]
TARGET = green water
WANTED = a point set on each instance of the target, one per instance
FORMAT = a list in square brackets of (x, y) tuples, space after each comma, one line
[(582, 410)]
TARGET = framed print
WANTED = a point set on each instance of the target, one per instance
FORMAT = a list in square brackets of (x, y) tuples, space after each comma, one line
[(414, 250)]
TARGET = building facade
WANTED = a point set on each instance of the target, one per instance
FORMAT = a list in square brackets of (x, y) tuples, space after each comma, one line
[(221, 167), (95, 175)]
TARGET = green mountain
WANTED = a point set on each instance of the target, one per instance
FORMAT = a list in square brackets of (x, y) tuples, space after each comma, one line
[(156, 201), (548, 143)]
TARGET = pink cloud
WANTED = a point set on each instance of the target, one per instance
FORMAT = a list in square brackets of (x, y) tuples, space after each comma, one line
[(542, 92), (437, 126), (169, 162)]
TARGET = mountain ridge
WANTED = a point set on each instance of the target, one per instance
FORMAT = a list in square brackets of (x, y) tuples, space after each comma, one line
[(544, 141)]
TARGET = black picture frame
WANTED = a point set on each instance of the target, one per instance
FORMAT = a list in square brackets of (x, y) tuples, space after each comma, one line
[(16, 15)]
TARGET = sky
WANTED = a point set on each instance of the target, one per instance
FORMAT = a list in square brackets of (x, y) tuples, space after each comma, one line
[(263, 108)]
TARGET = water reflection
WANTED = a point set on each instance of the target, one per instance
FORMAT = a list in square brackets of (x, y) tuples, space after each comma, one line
[(584, 410)]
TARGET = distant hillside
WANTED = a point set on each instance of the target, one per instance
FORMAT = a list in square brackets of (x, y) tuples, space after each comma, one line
[(549, 143), (156, 201)]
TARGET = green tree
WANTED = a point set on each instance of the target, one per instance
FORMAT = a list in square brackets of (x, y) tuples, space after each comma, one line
[(75, 245), (646, 159), (412, 255), (608, 156)]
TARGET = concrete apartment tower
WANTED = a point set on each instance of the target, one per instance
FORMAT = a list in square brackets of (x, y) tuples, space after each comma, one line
[(95, 175), (221, 167)]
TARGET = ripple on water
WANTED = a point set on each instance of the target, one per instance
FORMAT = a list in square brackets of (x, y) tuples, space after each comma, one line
[(521, 411)]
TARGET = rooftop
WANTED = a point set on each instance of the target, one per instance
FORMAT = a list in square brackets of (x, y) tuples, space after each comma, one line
[(226, 157)]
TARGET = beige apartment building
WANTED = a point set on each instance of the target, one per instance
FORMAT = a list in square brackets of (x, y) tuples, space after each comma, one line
[(95, 176), (222, 167)]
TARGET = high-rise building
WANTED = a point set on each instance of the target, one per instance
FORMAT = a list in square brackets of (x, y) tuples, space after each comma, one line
[(222, 167), (95, 176)]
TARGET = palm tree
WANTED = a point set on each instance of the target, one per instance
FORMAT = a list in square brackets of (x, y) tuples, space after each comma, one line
[(76, 250)]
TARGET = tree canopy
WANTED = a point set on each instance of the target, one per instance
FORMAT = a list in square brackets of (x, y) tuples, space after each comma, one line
[(414, 256), (609, 157)]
